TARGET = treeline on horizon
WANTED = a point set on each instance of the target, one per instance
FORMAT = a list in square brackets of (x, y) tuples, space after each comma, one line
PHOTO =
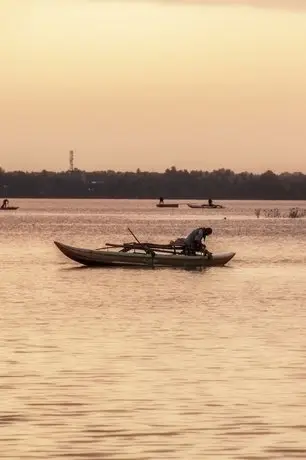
[(171, 184)]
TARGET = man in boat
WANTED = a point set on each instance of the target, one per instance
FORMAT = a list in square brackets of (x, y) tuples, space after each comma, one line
[(5, 203), (161, 200), (194, 242)]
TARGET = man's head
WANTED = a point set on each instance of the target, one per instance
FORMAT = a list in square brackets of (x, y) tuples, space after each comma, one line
[(207, 231)]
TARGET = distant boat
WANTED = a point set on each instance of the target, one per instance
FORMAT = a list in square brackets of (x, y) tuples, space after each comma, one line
[(167, 205), (9, 208), (6, 205), (161, 204), (205, 206)]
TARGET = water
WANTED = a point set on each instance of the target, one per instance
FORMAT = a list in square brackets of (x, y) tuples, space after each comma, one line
[(151, 364)]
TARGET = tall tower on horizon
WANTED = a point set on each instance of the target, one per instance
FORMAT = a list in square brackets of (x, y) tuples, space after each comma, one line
[(71, 161)]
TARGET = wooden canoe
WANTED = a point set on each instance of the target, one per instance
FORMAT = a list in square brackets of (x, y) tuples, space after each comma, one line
[(138, 258), (9, 208), (167, 205), (205, 206)]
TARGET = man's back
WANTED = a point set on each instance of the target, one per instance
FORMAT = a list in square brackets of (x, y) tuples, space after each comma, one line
[(195, 235)]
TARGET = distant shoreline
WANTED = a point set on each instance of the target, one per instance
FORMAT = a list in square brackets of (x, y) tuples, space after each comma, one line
[(173, 184)]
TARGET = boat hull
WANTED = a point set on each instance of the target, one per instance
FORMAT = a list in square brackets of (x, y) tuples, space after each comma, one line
[(9, 208), (205, 206), (168, 205), (94, 258)]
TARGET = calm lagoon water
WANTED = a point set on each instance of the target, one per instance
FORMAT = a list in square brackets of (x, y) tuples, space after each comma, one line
[(152, 364)]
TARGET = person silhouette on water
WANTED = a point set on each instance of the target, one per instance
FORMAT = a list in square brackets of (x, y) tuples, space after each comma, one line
[(5, 203)]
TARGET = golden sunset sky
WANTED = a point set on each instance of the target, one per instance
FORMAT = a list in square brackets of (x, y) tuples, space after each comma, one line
[(150, 84)]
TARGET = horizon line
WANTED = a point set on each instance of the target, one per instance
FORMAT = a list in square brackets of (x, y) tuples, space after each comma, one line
[(172, 168)]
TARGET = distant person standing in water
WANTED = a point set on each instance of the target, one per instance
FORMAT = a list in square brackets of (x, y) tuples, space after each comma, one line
[(210, 203), (5, 203)]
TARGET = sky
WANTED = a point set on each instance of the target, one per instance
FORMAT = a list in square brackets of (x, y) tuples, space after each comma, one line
[(151, 84)]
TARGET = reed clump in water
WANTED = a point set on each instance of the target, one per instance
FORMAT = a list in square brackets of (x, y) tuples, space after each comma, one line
[(274, 213), (296, 213)]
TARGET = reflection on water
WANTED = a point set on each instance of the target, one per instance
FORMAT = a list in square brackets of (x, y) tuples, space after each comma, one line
[(147, 364)]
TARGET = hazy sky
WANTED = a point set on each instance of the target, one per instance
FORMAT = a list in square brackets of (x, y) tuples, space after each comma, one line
[(150, 84)]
